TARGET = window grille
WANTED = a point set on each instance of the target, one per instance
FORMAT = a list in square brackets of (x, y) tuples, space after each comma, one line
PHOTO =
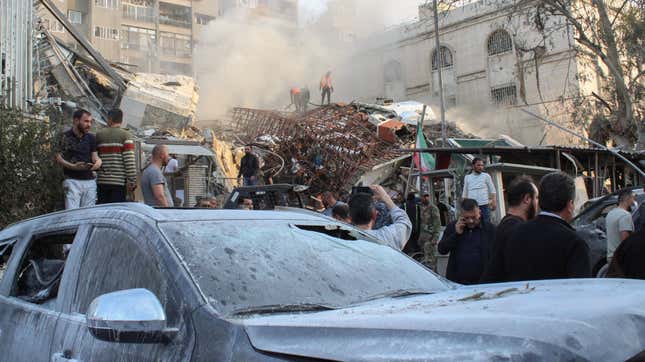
[(504, 96), (75, 17), (446, 58), (108, 4), (499, 42), (103, 32)]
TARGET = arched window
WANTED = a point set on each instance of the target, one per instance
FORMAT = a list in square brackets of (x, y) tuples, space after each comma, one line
[(445, 55), (393, 71), (499, 42)]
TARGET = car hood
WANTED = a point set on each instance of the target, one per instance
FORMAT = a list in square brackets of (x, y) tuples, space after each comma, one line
[(601, 319)]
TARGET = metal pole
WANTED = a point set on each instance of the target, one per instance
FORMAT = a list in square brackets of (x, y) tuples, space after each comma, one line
[(439, 66), (616, 153), (419, 129)]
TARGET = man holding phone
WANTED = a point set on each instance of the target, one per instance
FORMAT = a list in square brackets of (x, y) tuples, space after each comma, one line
[(469, 241), (79, 159), (363, 214)]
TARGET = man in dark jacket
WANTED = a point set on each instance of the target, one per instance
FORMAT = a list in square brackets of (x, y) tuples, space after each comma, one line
[(469, 241), (548, 247), (413, 210), (522, 197), (249, 167)]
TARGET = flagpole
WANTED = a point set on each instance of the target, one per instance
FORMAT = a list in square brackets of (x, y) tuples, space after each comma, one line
[(419, 129)]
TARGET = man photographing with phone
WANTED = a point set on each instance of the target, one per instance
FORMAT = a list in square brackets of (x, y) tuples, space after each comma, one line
[(363, 214), (79, 159)]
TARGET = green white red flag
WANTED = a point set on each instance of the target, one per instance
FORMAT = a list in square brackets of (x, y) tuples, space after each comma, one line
[(422, 160)]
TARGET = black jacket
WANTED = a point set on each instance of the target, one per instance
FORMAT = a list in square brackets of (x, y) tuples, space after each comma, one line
[(546, 248), (629, 258), (496, 269), (450, 243), (249, 166), (414, 213)]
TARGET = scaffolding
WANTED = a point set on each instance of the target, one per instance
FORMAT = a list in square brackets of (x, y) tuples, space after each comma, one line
[(16, 53)]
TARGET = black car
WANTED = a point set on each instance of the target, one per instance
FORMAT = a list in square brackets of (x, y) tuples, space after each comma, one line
[(126, 282), (590, 223)]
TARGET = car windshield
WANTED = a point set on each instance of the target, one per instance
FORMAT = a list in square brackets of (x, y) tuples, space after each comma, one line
[(240, 266)]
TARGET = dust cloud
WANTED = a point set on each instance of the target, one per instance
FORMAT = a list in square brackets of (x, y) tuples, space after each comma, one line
[(248, 60)]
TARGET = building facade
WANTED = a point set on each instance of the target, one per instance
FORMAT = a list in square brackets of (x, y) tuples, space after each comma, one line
[(16, 25), (494, 62), (282, 10), (152, 36)]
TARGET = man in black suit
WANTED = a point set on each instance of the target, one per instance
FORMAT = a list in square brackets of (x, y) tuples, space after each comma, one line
[(548, 247), (469, 241), (522, 196)]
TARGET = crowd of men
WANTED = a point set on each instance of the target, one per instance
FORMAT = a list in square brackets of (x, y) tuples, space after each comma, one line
[(101, 168), (533, 241)]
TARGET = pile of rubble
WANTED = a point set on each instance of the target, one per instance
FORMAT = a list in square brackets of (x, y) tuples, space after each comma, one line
[(328, 148)]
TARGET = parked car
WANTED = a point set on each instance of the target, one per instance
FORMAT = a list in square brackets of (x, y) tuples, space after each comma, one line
[(126, 282), (590, 224)]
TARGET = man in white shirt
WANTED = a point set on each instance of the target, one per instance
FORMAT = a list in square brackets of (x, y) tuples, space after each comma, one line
[(479, 186), (619, 223), (363, 214), (172, 166)]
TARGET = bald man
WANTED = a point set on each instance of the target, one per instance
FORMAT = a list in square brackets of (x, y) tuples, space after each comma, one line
[(153, 183)]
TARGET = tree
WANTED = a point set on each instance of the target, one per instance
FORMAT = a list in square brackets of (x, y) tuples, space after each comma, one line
[(30, 181), (611, 35)]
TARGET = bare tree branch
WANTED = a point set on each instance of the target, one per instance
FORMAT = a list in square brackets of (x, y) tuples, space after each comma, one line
[(604, 102)]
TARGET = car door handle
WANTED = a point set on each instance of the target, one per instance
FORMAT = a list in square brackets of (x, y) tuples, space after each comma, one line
[(65, 356)]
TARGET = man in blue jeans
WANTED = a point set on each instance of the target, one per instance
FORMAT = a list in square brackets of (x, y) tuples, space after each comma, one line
[(479, 186), (249, 167)]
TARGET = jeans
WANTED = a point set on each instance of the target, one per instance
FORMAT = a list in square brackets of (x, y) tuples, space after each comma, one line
[(111, 193), (249, 182), (79, 193), (485, 212)]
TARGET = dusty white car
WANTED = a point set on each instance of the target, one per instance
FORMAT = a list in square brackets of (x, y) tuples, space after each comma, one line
[(126, 282)]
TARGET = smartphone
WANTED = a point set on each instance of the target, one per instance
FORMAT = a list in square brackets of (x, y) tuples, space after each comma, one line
[(362, 189)]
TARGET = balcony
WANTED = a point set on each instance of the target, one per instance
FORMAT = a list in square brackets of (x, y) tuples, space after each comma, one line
[(138, 13), (180, 23), (177, 52), (175, 15)]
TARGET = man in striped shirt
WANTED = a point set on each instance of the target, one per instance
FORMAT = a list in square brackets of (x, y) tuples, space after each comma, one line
[(118, 174)]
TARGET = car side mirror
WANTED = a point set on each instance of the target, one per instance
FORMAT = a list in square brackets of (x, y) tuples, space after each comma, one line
[(129, 316)]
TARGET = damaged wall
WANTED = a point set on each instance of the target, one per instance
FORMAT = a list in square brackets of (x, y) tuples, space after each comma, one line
[(485, 89)]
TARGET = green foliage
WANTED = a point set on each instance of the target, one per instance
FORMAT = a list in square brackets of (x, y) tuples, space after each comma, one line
[(30, 181)]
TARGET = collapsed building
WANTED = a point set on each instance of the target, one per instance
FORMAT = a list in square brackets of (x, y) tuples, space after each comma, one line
[(332, 147)]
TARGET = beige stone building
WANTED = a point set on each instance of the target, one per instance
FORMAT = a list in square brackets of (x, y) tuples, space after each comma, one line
[(493, 62), (154, 36)]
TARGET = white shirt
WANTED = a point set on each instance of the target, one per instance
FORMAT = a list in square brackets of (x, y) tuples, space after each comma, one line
[(397, 234), (617, 221), (546, 213), (172, 166), (478, 187)]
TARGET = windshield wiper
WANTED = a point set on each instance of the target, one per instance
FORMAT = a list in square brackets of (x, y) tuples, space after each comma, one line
[(282, 308), (398, 293)]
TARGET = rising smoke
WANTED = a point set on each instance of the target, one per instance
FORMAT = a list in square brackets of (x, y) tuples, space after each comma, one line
[(247, 60)]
